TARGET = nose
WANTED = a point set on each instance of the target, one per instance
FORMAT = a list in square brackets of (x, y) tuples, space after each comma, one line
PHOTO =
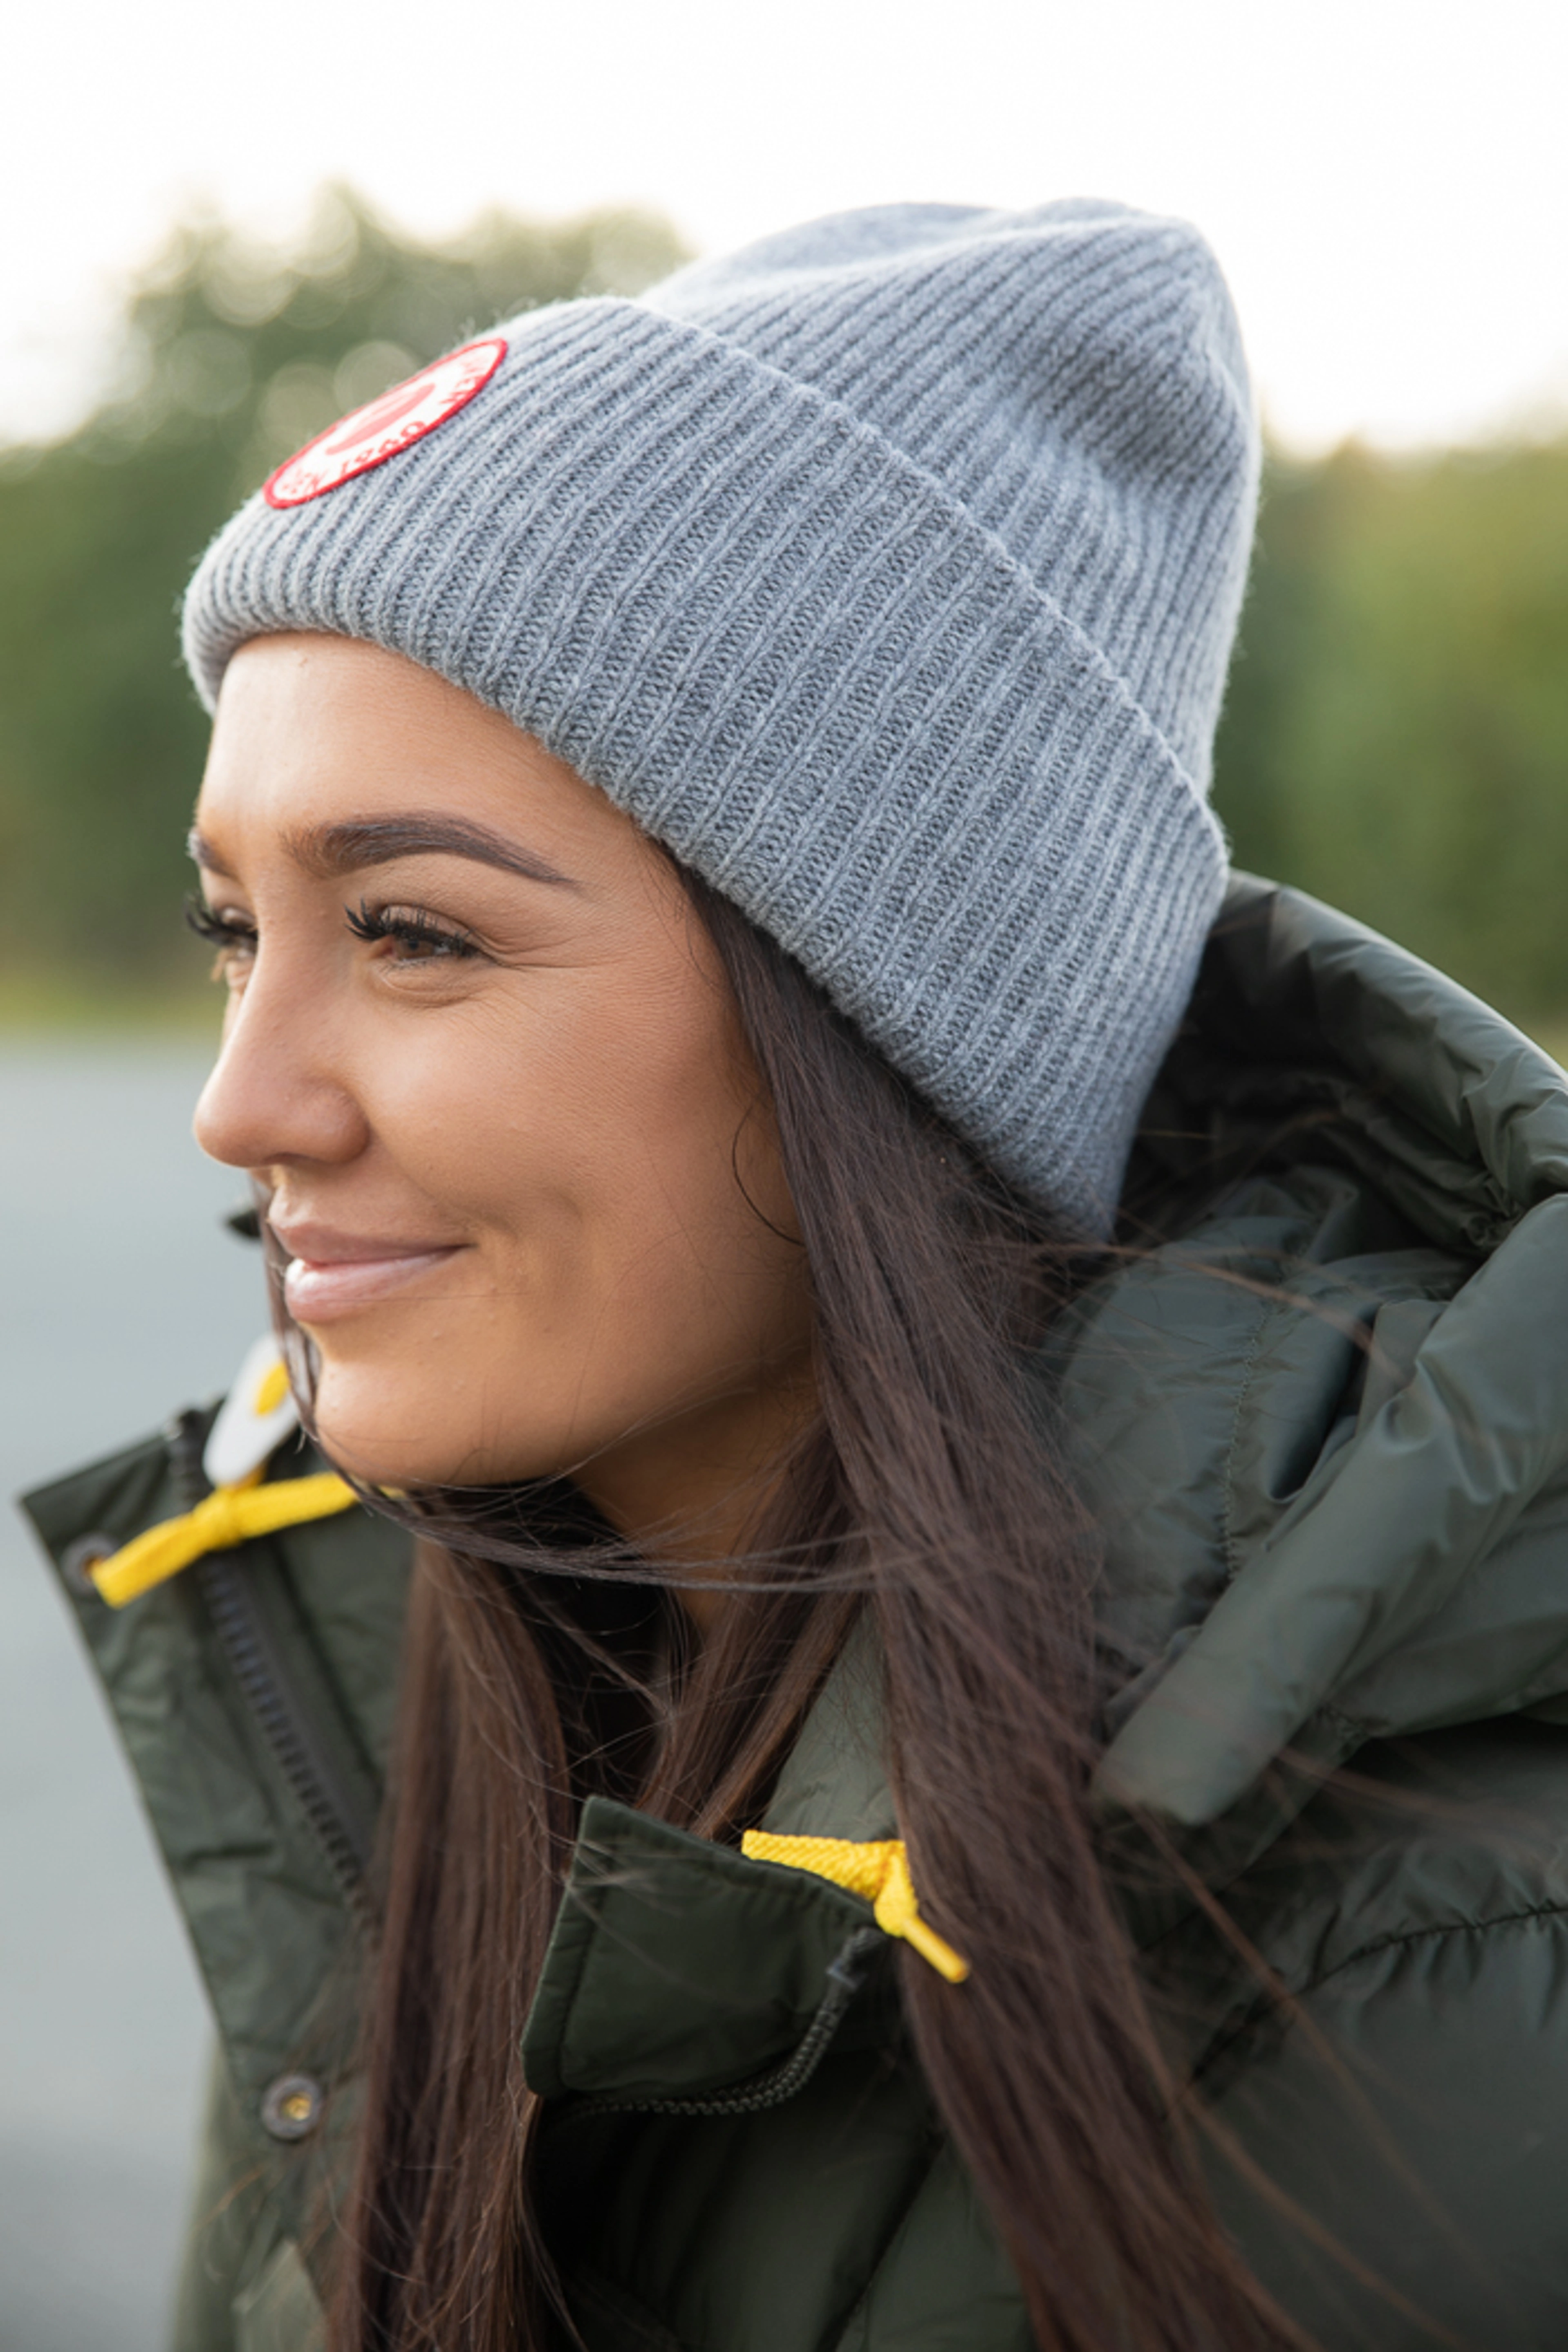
[(279, 1090)]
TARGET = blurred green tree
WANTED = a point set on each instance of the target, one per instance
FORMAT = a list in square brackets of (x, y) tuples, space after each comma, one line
[(1395, 736), (232, 355)]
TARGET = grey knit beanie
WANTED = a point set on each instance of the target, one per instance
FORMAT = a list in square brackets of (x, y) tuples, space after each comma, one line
[(886, 572)]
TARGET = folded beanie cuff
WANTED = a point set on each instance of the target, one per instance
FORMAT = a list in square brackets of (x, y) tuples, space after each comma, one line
[(767, 633)]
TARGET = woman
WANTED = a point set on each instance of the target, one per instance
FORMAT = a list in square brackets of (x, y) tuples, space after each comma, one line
[(705, 837)]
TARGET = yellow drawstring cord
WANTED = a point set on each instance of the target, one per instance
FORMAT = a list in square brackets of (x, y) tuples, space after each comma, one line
[(228, 1516), (876, 1869)]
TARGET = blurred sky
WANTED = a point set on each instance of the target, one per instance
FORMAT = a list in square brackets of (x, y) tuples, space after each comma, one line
[(1385, 180)]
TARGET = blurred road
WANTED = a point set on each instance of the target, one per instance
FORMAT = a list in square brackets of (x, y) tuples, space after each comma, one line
[(121, 1297)]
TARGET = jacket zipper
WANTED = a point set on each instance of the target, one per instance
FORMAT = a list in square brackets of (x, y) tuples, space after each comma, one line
[(282, 1722), (845, 1975)]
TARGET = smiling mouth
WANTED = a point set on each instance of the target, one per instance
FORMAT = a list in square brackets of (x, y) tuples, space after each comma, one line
[(324, 1289)]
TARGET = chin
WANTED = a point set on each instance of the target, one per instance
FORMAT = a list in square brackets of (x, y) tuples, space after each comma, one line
[(382, 1438), (369, 1430)]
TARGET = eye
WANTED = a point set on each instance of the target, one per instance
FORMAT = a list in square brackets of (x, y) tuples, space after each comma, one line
[(421, 937), (232, 933)]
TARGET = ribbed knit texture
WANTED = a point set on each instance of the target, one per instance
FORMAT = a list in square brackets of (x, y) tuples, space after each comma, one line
[(886, 572)]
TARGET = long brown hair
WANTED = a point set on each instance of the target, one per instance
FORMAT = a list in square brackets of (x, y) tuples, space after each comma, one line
[(928, 1493)]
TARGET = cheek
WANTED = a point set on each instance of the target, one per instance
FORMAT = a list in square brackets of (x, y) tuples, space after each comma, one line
[(615, 1272), (567, 1134)]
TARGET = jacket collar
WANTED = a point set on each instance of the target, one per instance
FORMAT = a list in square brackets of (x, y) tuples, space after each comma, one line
[(678, 1967)]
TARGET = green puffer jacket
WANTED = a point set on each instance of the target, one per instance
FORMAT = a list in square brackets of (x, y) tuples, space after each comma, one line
[(1324, 1423)]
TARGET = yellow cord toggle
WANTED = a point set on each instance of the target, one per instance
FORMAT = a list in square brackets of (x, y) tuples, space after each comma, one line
[(877, 1869), (227, 1517)]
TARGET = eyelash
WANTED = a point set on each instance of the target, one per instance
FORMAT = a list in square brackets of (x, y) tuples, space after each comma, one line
[(412, 927), (228, 932)]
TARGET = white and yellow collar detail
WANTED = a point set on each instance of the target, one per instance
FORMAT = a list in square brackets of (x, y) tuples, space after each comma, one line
[(254, 1418)]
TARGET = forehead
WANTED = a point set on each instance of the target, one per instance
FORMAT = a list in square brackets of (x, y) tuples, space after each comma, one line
[(301, 707), (320, 736)]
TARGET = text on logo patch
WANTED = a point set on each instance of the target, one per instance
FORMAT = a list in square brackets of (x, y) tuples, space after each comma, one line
[(380, 430)]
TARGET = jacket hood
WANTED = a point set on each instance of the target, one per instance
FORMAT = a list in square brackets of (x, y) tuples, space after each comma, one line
[(1323, 1423)]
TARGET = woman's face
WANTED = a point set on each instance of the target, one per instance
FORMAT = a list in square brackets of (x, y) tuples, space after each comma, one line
[(480, 1053)]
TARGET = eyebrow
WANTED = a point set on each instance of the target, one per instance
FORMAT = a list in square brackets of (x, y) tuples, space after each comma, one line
[(329, 851)]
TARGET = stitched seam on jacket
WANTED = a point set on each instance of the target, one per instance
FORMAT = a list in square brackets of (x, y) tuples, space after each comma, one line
[(1431, 1934), (832, 2341), (1266, 2004), (626, 2310), (1228, 1477)]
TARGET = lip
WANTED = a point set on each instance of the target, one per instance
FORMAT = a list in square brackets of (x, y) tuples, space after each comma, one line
[(332, 1274)]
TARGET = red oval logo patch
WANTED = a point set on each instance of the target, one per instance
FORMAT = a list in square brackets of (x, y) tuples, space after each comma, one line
[(374, 434)]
